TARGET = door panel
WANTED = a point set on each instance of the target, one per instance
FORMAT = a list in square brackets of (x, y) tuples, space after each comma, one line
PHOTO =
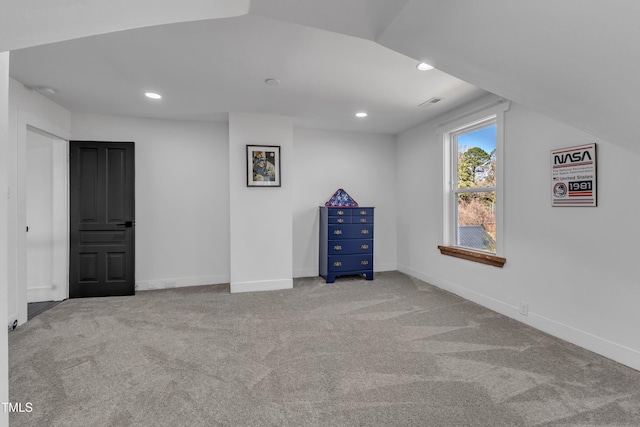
[(102, 253), (40, 280), (88, 183)]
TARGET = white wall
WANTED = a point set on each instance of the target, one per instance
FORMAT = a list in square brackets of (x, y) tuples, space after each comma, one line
[(365, 168), (182, 196), (364, 165), (261, 245), (575, 267)]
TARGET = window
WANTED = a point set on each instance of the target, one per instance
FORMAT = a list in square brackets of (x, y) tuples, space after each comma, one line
[(473, 196), (474, 186)]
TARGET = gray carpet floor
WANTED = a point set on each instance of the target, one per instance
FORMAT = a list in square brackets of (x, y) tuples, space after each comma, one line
[(392, 352)]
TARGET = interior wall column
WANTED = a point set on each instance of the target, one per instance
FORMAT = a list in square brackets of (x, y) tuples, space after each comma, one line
[(261, 218), (4, 188)]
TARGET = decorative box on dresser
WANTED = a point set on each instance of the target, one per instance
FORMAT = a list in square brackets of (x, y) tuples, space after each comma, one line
[(346, 242)]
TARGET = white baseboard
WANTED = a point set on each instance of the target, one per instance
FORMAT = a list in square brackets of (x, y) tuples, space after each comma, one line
[(40, 293), (622, 354), (310, 272), (262, 285), (384, 267), (180, 282), (305, 272)]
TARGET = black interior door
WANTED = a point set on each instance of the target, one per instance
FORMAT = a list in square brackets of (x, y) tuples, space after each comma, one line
[(102, 219)]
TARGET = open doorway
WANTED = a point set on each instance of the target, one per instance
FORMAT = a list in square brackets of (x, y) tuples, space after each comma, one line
[(47, 217)]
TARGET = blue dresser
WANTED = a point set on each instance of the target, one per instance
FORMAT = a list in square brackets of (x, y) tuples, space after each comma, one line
[(346, 242)]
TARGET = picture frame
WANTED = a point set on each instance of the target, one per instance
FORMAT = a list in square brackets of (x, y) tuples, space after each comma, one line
[(574, 176), (263, 166)]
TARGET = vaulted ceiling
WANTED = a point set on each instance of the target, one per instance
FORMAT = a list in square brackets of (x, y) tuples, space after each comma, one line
[(574, 60)]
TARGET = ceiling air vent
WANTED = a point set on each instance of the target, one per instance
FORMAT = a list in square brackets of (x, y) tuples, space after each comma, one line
[(431, 101)]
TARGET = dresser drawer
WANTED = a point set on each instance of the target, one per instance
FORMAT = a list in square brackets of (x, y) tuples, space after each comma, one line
[(339, 219), (339, 212), (361, 219), (346, 263), (350, 231), (353, 246), (362, 212)]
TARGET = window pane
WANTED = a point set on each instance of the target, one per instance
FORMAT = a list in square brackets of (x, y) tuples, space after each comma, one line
[(476, 221), (477, 157)]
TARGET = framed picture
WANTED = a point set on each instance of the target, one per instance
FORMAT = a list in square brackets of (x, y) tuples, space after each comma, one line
[(573, 176), (263, 166)]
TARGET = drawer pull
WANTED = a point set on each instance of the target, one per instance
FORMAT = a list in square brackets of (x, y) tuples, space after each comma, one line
[(337, 248), (363, 220), (337, 232), (340, 221), (364, 262), (340, 212), (365, 231), (363, 212), (364, 247), (337, 264)]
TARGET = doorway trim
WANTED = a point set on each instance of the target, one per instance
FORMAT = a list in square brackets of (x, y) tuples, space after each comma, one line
[(30, 123)]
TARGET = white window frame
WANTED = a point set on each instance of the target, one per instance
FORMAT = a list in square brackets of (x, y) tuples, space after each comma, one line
[(473, 120)]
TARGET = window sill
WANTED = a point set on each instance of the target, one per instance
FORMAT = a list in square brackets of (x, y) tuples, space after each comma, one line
[(474, 256)]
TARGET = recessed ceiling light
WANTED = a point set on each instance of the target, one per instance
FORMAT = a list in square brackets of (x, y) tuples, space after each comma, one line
[(361, 114), (423, 66), (431, 101), (153, 95), (272, 82), (45, 90), (48, 90)]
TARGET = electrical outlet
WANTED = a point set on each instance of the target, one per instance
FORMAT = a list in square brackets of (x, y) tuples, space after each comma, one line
[(524, 308)]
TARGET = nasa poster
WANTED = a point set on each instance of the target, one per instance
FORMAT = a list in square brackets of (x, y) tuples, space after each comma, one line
[(573, 176)]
